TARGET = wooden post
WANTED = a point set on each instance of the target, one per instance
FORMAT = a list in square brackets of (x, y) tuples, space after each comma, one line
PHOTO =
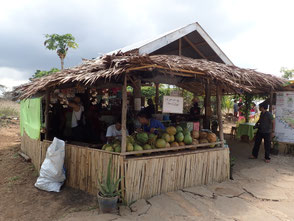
[(137, 92), (156, 97), (180, 47), (271, 101), (219, 112), (207, 105), (47, 99), (124, 116)]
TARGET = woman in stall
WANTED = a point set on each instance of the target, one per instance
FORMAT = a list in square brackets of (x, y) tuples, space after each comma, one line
[(149, 124)]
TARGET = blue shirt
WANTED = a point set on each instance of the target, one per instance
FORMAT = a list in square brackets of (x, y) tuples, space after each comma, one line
[(153, 124)]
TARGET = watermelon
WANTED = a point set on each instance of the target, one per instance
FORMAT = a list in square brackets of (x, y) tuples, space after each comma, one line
[(138, 148), (147, 147), (117, 149), (142, 137)]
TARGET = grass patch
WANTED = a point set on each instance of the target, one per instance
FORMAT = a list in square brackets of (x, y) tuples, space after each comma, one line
[(14, 178), (9, 108)]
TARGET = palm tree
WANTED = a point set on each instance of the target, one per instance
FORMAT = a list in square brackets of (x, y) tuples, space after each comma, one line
[(60, 43)]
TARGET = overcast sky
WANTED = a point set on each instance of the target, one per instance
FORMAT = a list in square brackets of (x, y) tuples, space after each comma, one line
[(253, 33)]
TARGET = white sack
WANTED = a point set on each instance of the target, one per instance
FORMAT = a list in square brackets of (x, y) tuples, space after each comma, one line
[(52, 174)]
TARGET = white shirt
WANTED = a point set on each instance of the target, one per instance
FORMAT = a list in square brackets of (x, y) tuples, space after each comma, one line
[(113, 132), (76, 115)]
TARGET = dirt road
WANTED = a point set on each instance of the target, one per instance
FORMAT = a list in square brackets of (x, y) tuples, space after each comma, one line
[(19, 199)]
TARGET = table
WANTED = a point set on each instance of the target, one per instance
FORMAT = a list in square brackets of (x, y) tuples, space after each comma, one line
[(246, 129)]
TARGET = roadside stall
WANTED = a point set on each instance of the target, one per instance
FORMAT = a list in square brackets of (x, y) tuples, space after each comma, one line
[(177, 157)]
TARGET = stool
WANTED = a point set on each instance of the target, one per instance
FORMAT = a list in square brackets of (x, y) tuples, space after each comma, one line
[(233, 132)]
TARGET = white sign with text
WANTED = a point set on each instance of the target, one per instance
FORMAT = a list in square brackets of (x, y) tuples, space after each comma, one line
[(173, 104)]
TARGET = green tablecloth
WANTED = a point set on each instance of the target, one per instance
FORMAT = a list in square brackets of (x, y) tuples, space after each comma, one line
[(246, 129)]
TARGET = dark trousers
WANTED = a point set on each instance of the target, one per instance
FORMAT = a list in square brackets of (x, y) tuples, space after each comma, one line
[(267, 144)]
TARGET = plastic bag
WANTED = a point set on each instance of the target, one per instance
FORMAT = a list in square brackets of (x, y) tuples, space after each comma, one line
[(52, 174)]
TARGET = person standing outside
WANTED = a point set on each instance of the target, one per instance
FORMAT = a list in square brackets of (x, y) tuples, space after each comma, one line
[(236, 109), (266, 127)]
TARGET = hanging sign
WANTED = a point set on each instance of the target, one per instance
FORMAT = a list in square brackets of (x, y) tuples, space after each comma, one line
[(173, 104), (284, 129), (137, 104)]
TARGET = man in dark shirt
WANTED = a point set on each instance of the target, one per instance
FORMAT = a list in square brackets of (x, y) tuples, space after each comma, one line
[(265, 126), (195, 111), (150, 109)]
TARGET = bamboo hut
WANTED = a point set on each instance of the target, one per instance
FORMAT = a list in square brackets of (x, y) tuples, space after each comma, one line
[(166, 169)]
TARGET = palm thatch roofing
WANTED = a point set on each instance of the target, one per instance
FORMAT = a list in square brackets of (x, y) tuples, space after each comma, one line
[(188, 73)]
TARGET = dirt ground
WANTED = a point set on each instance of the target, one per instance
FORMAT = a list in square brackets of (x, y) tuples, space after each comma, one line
[(20, 200), (259, 191)]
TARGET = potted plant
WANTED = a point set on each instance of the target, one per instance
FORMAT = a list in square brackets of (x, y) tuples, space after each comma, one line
[(108, 191)]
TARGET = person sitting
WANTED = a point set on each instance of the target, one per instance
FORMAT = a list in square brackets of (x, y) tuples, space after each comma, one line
[(149, 124), (150, 109), (114, 131)]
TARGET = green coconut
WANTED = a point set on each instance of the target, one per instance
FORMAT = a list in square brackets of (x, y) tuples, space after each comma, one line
[(188, 139), (171, 130), (130, 147), (160, 143), (179, 129), (166, 137), (109, 148), (180, 137)]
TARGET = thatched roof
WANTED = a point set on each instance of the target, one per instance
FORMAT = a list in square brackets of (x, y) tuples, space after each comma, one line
[(188, 73)]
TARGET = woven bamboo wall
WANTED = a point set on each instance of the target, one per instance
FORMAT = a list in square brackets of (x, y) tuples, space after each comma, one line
[(148, 177), (84, 166), (31, 148)]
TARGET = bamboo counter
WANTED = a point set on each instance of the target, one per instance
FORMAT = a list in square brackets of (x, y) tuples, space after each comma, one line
[(143, 176)]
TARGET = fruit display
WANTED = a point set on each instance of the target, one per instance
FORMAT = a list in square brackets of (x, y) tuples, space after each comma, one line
[(171, 137)]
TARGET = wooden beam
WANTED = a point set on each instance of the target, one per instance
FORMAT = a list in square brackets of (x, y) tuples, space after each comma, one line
[(173, 148), (180, 47), (165, 68), (124, 116), (219, 113), (194, 47), (47, 101), (156, 97)]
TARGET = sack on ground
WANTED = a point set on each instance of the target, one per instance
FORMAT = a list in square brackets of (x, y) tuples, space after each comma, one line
[(52, 174)]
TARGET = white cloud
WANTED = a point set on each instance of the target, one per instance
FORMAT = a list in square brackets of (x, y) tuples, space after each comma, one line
[(10, 77)]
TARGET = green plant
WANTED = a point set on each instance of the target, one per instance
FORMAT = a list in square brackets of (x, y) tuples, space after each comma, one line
[(232, 161), (40, 73), (60, 43), (109, 187)]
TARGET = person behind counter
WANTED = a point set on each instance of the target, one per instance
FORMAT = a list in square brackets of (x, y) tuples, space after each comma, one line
[(195, 111), (150, 109), (77, 122), (149, 124), (114, 131)]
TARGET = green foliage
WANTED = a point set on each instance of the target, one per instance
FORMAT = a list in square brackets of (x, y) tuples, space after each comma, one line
[(60, 44), (287, 73), (40, 73), (227, 103), (109, 187), (247, 99)]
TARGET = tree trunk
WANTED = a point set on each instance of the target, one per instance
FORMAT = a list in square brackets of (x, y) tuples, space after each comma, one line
[(62, 63)]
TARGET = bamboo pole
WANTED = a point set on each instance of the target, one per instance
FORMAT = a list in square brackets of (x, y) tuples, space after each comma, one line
[(156, 97), (271, 101), (47, 98), (219, 112), (124, 115), (207, 105)]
